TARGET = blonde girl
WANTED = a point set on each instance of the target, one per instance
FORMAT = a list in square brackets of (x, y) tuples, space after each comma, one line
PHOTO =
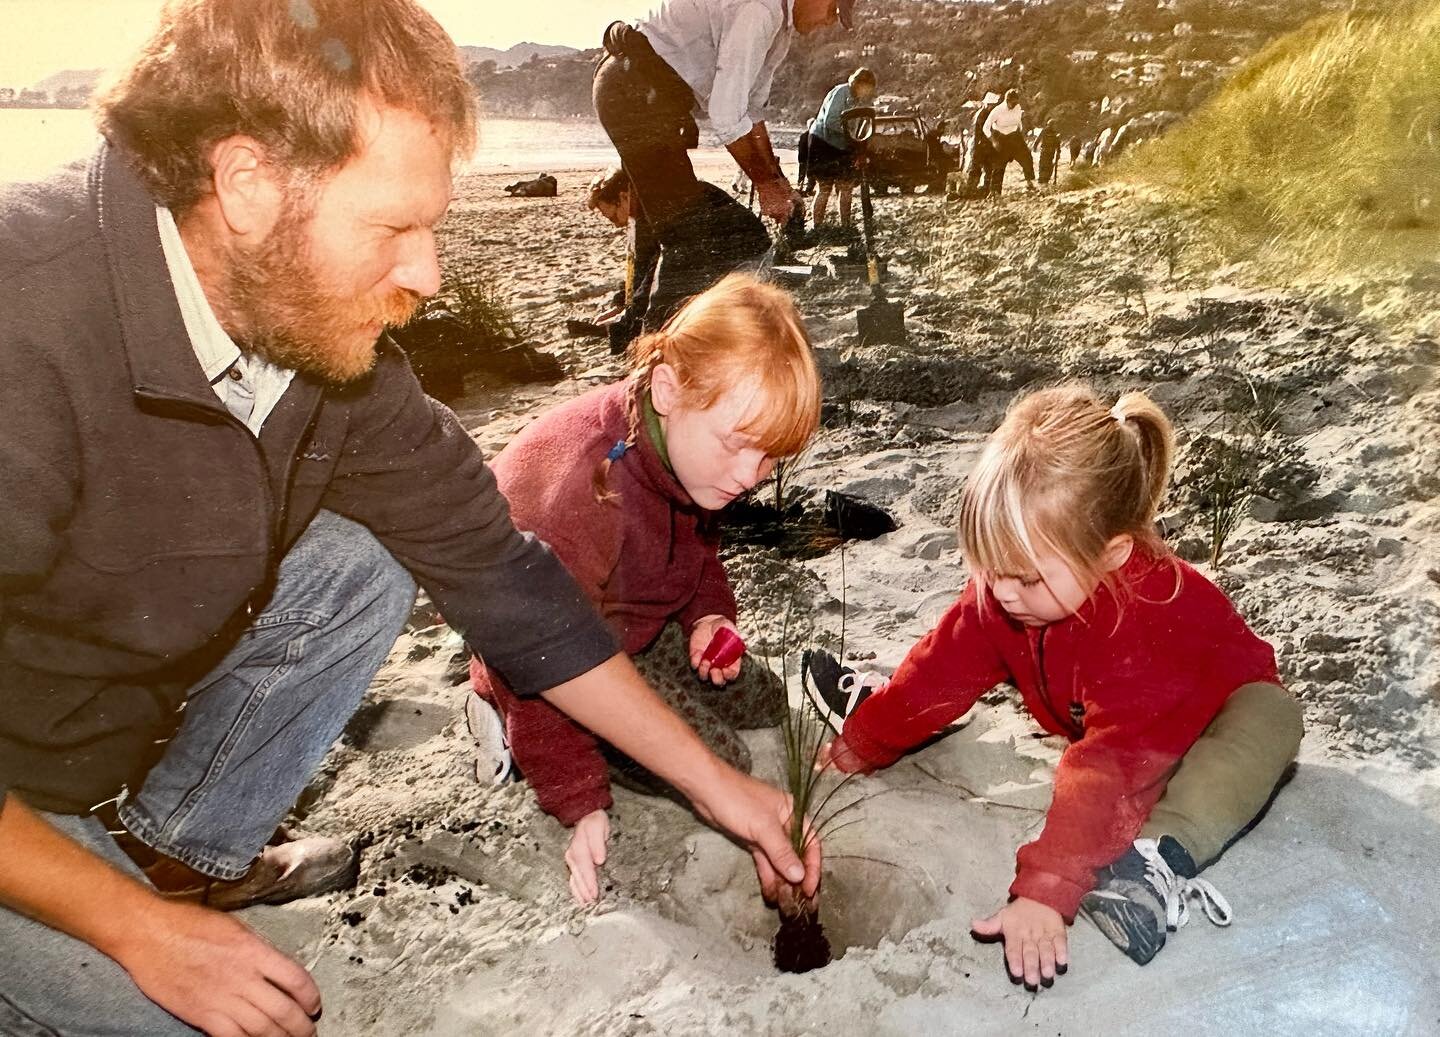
[(1178, 726)]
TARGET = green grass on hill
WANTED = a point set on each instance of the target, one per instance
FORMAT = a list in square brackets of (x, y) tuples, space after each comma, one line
[(1323, 151)]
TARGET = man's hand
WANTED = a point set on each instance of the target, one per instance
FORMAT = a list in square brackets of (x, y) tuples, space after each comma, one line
[(759, 816), (200, 965), (586, 853), (616, 704), (209, 970), (1034, 935), (701, 635), (778, 200), (838, 754)]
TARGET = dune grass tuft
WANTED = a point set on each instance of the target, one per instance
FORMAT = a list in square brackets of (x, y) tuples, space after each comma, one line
[(1323, 152)]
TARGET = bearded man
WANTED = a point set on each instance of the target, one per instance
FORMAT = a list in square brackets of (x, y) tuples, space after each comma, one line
[(220, 483)]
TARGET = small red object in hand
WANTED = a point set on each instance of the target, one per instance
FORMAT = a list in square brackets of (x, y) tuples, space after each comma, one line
[(724, 649)]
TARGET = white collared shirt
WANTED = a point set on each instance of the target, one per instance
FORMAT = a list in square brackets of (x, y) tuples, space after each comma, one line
[(1004, 119), (248, 386), (728, 51)]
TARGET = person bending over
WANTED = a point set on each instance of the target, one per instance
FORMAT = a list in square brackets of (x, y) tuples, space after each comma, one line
[(716, 58), (1180, 731), (625, 484)]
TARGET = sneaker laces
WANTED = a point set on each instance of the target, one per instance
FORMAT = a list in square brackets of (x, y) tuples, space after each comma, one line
[(855, 686), (1176, 891)]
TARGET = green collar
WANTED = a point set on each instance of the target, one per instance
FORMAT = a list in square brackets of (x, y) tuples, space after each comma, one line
[(655, 430)]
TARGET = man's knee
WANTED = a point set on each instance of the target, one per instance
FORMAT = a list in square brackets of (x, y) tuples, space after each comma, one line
[(344, 561)]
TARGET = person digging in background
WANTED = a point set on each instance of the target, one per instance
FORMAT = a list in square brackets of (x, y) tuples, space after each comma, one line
[(613, 198), (982, 152), (624, 484), (1179, 729), (1005, 129), (717, 58), (220, 483), (832, 155), (1049, 154)]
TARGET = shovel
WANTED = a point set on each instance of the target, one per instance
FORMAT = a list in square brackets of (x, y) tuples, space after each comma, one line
[(883, 321)]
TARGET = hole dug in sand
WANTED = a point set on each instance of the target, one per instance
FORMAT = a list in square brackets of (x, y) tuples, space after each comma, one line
[(923, 852)]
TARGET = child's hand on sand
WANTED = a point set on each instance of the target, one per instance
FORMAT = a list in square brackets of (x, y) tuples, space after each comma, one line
[(701, 634), (586, 853), (1034, 935), (839, 755)]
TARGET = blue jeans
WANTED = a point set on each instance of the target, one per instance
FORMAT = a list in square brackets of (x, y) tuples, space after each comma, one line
[(255, 729)]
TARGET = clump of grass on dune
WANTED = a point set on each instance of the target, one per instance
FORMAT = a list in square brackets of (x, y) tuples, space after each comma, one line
[(1323, 152)]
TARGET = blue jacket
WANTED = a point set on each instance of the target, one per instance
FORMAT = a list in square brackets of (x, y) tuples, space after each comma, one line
[(829, 125)]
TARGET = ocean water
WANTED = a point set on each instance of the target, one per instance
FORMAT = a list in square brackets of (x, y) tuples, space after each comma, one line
[(36, 140)]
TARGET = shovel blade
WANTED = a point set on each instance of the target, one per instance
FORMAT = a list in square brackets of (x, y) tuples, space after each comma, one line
[(882, 323)]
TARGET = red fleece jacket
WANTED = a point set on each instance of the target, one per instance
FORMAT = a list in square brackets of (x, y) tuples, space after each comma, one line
[(646, 556), (1131, 685)]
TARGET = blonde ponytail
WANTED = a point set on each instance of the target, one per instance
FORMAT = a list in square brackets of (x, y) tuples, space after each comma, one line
[(1155, 436), (1066, 473)]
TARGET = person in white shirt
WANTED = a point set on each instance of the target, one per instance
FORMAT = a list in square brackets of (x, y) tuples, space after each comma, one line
[(1005, 127), (715, 58)]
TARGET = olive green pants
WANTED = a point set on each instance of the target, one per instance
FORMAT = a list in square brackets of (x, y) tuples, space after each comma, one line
[(1226, 781), (754, 699)]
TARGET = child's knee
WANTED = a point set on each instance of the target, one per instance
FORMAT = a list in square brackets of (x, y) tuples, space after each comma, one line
[(1275, 711)]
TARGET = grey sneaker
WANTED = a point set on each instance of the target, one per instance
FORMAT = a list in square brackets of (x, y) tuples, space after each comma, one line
[(1146, 894)]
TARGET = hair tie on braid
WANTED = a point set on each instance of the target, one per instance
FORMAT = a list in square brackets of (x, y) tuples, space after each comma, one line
[(617, 451)]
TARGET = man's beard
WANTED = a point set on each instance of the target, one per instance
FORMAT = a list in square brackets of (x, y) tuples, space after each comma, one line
[(292, 321)]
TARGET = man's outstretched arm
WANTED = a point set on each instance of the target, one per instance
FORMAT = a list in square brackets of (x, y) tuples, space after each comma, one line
[(202, 966), (613, 701)]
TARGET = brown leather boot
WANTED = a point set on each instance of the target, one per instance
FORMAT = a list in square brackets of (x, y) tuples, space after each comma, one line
[(288, 869)]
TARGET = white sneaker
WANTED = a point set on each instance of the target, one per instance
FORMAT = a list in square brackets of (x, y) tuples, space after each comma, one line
[(492, 749)]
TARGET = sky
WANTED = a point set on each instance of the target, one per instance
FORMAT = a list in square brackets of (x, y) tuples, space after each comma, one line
[(45, 36)]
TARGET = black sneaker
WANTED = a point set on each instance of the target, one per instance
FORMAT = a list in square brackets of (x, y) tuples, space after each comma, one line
[(835, 690), (1146, 893)]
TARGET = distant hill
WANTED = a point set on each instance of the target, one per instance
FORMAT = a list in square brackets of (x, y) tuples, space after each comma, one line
[(70, 79), (515, 56)]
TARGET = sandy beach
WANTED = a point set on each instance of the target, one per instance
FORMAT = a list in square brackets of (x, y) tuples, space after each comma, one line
[(462, 922)]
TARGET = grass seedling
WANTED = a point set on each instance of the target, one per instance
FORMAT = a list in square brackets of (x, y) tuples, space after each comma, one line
[(800, 944), (1229, 490), (1131, 285), (485, 309)]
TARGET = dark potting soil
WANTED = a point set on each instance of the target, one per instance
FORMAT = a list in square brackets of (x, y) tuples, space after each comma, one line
[(801, 532), (800, 944)]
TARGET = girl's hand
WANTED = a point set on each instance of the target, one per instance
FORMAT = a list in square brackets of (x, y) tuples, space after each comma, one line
[(586, 854), (840, 756), (701, 635), (1034, 935)]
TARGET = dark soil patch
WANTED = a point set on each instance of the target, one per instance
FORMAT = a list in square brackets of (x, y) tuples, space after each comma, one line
[(800, 944)]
